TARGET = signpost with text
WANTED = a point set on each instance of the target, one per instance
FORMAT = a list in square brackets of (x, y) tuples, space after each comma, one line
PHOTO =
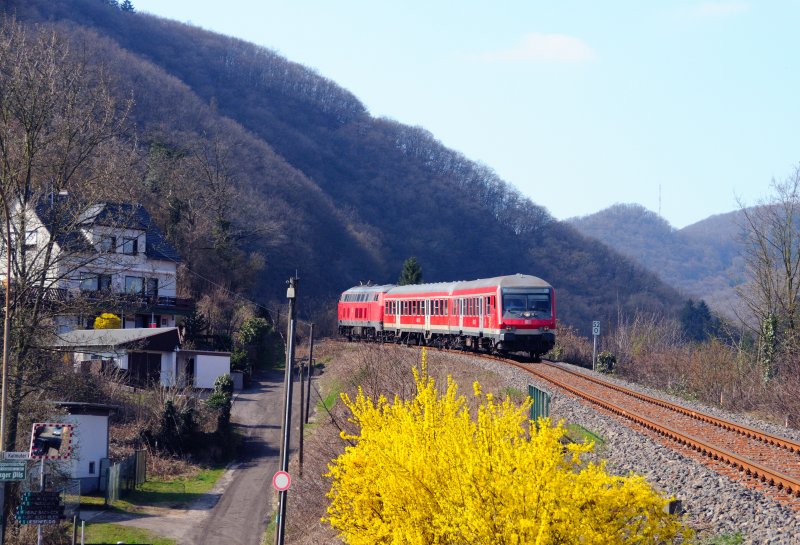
[(595, 334)]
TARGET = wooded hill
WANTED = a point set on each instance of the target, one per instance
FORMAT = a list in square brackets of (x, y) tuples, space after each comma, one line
[(257, 167), (702, 260)]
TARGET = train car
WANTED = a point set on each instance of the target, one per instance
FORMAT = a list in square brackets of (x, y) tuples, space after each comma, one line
[(360, 312), (504, 314)]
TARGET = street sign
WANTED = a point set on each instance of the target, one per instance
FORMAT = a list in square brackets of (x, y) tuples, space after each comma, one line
[(12, 471), (596, 327), (16, 456), (40, 508), (281, 481)]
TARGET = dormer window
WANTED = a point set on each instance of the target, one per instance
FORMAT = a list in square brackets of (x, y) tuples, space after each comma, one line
[(130, 246), (107, 244)]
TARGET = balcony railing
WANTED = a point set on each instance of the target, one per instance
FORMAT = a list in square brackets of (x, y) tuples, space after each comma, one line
[(126, 300)]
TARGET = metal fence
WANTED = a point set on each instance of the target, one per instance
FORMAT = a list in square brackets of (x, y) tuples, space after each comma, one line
[(541, 402), (125, 476), (71, 496)]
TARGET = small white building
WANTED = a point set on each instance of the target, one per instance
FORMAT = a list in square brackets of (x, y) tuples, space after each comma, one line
[(148, 356), (90, 438)]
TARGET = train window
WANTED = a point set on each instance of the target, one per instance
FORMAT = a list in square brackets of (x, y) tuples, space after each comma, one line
[(436, 307)]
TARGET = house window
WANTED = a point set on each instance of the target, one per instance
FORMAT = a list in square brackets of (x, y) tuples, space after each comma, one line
[(95, 282), (31, 238), (107, 244), (91, 468), (88, 282), (134, 284), (152, 287), (104, 282), (130, 246)]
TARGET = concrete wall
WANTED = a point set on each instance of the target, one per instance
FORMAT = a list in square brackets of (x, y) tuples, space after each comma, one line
[(90, 444), (208, 368)]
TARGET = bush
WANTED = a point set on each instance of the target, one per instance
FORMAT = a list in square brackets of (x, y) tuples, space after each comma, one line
[(107, 321), (425, 470), (571, 347), (221, 400), (239, 360), (606, 361)]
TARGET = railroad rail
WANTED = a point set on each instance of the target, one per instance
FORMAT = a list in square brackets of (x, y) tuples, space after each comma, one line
[(769, 459)]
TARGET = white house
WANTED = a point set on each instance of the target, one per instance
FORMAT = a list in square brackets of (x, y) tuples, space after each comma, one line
[(111, 255)]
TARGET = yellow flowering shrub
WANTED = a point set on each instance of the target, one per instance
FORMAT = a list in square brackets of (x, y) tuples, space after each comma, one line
[(425, 471), (107, 321)]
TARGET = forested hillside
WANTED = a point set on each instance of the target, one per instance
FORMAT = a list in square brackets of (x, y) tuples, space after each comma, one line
[(703, 260), (257, 167)]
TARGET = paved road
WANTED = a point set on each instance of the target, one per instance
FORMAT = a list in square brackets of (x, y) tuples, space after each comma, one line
[(241, 514), (236, 511)]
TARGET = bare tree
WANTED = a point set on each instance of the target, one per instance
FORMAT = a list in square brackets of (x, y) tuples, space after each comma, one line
[(772, 254), (61, 151)]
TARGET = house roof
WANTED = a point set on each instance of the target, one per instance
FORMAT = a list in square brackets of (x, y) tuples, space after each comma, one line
[(118, 215), (162, 339)]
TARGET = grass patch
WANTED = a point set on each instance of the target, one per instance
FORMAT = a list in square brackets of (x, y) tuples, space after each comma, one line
[(269, 534), (113, 533), (725, 539), (578, 434), (175, 493), (327, 403), (172, 493), (514, 394)]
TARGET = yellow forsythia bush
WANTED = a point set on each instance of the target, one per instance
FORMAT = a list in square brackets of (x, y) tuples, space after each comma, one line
[(107, 321), (424, 471)]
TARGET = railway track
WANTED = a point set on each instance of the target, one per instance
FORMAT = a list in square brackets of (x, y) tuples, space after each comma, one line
[(751, 455), (759, 457)]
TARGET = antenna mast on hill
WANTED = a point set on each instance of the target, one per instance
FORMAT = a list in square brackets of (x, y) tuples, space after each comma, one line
[(659, 200)]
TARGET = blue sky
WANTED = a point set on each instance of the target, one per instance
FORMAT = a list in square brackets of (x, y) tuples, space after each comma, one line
[(679, 106)]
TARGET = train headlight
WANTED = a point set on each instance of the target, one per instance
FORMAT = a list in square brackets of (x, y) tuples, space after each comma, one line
[(509, 328), (545, 328)]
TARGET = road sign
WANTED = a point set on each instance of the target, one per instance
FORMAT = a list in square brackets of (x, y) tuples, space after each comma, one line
[(596, 327), (281, 481), (16, 456), (12, 471), (40, 508)]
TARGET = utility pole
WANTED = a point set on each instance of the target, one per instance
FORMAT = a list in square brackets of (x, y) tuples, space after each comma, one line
[(310, 369), (291, 295)]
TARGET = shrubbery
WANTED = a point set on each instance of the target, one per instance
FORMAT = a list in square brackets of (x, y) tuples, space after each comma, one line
[(424, 471)]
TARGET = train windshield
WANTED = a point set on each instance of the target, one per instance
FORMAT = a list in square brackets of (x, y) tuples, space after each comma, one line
[(527, 303)]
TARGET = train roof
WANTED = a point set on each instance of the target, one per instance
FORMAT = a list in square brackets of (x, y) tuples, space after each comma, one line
[(370, 288), (509, 281)]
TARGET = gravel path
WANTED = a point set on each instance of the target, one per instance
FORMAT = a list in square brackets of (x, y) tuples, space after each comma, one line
[(713, 503)]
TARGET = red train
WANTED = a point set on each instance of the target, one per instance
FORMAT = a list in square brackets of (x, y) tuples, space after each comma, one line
[(515, 313)]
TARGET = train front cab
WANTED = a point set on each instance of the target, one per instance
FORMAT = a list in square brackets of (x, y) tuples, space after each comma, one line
[(527, 320)]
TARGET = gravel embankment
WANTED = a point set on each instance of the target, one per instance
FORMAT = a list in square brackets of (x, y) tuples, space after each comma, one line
[(714, 504)]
